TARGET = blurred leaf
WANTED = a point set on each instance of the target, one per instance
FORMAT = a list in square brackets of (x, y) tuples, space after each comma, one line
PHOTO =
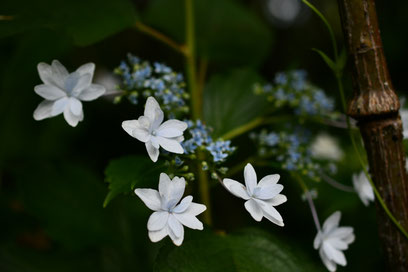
[(341, 62), (225, 30), (66, 199), (326, 59), (85, 21), (125, 173), (252, 250), (229, 101)]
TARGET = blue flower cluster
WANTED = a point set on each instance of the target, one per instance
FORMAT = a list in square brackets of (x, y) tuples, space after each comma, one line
[(142, 79), (200, 138), (293, 90), (289, 150)]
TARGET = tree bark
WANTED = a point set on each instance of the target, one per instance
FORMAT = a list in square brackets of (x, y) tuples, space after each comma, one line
[(375, 106)]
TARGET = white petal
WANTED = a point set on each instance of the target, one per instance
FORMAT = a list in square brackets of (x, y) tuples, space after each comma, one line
[(175, 226), (176, 240), (87, 68), (141, 134), (171, 128), (337, 243), (182, 207), (84, 82), (59, 106), (59, 72), (154, 141), (156, 236), (189, 221), (49, 92), (317, 240), (92, 92), (150, 197), (341, 232), (153, 111), (334, 254), (195, 209), (75, 106), (270, 212), (330, 265), (170, 145), (152, 151), (236, 188), (44, 110), (331, 222), (130, 125), (71, 118), (157, 221), (171, 189), (269, 180), (45, 72), (250, 178), (268, 191), (254, 210), (277, 200)]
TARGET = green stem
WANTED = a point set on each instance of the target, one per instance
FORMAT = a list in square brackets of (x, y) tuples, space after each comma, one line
[(203, 181), (160, 37), (332, 37)]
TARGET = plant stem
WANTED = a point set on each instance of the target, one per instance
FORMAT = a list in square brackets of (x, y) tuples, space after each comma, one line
[(336, 184), (196, 96), (160, 37), (309, 200), (332, 37)]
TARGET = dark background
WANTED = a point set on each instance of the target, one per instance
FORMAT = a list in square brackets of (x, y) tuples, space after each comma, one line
[(52, 175)]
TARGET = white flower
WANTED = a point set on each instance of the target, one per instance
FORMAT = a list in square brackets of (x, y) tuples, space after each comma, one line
[(150, 130), (326, 147), (260, 198), (64, 91), (169, 216), (404, 119), (363, 188), (332, 240)]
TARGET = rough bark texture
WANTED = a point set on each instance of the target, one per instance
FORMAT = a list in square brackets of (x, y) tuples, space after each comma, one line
[(375, 106)]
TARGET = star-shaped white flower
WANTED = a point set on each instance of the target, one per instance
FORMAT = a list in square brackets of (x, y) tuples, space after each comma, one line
[(64, 91), (332, 240), (363, 188), (260, 198), (150, 130), (169, 215)]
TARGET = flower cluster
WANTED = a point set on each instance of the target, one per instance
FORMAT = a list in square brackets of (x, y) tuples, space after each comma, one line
[(201, 139), (289, 149), (143, 79), (291, 89)]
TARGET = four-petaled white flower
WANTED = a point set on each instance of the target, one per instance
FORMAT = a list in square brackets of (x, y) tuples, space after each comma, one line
[(331, 240), (169, 215), (64, 91), (260, 198), (150, 130), (363, 188)]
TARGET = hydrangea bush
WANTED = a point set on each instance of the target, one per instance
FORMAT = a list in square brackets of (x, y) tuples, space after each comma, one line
[(181, 151)]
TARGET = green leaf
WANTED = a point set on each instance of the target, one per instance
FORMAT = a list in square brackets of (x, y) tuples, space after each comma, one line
[(66, 199), (332, 65), (225, 30), (229, 101), (125, 173), (252, 250), (341, 62), (85, 21)]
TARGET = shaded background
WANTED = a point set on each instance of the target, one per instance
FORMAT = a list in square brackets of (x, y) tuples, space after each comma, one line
[(52, 175)]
